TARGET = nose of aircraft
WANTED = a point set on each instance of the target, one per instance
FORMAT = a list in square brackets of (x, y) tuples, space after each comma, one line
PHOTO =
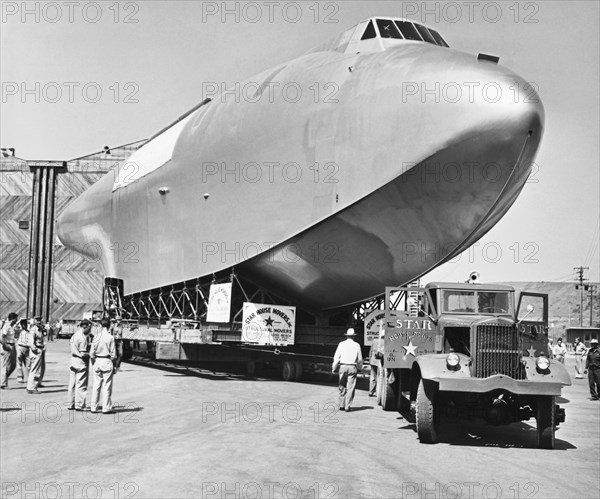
[(80, 226), (488, 97)]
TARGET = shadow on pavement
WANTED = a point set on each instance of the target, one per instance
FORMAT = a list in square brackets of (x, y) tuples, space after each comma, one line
[(479, 434)]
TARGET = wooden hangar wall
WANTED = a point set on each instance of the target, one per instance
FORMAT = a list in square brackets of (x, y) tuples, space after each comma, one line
[(38, 275)]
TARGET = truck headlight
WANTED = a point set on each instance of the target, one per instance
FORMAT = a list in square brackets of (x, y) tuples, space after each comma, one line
[(542, 363), (452, 361)]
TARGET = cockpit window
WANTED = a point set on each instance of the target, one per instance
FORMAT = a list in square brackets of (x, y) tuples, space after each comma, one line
[(369, 32), (408, 30), (438, 38), (387, 29), (424, 32)]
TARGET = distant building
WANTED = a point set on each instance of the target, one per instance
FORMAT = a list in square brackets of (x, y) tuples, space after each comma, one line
[(72, 286), (585, 333)]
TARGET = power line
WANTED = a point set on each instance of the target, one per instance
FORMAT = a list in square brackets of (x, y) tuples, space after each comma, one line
[(593, 247)]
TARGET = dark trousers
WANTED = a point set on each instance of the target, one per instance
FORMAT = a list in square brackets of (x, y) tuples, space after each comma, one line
[(594, 379), (347, 385)]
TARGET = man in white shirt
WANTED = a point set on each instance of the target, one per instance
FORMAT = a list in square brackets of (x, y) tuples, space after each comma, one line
[(559, 350), (103, 355), (37, 356), (10, 331), (580, 352), (80, 357), (348, 358)]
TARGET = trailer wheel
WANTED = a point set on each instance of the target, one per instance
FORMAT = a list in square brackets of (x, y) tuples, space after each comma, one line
[(251, 368), (546, 421), (289, 370), (298, 370), (388, 394), (427, 412), (127, 350)]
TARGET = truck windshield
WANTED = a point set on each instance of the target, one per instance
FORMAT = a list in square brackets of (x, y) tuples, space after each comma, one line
[(476, 302)]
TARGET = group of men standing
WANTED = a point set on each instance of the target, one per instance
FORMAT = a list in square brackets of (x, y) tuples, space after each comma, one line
[(24, 349), (101, 353), (589, 356)]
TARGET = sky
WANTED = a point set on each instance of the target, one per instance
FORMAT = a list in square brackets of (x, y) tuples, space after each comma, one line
[(77, 76)]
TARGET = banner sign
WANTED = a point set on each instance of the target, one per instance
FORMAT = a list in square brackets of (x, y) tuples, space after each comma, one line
[(268, 324), (219, 303), (406, 337), (374, 321)]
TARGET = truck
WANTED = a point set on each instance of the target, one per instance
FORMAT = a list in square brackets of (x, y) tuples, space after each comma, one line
[(464, 350)]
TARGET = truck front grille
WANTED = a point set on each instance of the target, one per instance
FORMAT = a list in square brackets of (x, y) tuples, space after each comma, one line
[(498, 350)]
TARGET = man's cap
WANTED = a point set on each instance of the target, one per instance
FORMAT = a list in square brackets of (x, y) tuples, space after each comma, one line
[(85, 323), (37, 318), (350, 332), (594, 340)]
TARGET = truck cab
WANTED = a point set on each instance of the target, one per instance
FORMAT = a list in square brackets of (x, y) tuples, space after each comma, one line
[(467, 351)]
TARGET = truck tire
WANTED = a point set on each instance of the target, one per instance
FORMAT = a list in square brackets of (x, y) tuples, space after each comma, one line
[(427, 412), (388, 394), (546, 421), (297, 370), (289, 370)]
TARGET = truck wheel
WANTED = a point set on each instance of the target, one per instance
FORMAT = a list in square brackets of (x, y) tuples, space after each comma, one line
[(289, 370), (298, 370), (546, 421), (427, 412), (388, 395)]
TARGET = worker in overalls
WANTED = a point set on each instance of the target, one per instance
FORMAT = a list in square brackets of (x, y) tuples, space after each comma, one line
[(37, 356), (23, 353)]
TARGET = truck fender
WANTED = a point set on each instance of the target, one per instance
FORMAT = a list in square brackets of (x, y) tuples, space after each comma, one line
[(556, 373), (433, 366)]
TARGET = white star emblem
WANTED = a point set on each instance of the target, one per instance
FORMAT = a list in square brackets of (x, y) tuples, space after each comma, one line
[(531, 351), (410, 349)]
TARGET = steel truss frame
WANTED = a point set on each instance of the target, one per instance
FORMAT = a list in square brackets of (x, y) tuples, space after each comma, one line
[(188, 300)]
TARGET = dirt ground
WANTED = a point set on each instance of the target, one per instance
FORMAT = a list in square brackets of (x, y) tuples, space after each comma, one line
[(198, 433)]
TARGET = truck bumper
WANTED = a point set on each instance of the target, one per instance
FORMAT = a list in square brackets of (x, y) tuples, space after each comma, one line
[(499, 382)]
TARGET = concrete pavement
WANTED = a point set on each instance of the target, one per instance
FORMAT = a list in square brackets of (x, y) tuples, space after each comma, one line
[(195, 433)]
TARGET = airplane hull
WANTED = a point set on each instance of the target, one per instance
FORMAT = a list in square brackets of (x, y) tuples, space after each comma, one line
[(325, 202)]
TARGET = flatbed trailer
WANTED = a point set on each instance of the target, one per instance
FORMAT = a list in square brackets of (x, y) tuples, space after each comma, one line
[(311, 353)]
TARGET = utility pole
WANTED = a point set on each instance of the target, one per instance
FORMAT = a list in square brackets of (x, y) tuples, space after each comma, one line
[(579, 272), (592, 289)]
